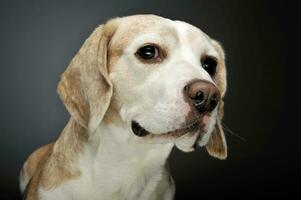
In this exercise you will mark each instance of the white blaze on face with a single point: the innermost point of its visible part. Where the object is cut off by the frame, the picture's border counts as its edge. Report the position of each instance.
(192, 53)
(152, 94)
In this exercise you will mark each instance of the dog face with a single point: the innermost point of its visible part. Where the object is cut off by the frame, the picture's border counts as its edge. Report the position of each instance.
(163, 79)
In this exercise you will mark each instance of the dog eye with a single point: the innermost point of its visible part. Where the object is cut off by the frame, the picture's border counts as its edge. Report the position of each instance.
(148, 52)
(209, 64)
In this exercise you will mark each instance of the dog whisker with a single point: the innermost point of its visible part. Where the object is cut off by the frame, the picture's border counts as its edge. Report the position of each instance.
(227, 129)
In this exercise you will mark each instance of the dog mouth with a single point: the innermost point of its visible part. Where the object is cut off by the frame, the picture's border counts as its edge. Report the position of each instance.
(139, 131)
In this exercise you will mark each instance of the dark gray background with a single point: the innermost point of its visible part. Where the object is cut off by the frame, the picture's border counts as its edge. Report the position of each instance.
(39, 38)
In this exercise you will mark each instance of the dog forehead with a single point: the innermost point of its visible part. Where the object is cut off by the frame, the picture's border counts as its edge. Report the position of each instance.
(191, 34)
(134, 26)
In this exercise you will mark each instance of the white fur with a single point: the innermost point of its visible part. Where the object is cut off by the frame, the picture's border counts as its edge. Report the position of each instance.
(124, 168)
(116, 164)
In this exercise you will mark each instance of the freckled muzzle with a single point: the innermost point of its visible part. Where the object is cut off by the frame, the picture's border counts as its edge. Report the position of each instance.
(203, 96)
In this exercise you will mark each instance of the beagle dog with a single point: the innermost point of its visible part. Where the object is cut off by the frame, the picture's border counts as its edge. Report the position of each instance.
(138, 86)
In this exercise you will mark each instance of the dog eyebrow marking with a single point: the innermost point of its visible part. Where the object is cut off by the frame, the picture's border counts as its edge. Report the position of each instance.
(127, 33)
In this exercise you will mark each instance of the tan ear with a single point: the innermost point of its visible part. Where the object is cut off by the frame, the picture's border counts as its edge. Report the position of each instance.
(217, 146)
(85, 87)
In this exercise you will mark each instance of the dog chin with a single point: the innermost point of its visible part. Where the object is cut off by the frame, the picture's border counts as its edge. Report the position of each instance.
(190, 141)
(187, 142)
(185, 139)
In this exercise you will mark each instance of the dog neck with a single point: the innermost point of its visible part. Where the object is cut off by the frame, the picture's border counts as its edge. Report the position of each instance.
(120, 162)
(112, 152)
(110, 143)
(118, 144)
(111, 159)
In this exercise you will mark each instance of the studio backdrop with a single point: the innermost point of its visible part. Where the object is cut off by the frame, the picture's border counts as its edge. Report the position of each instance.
(39, 38)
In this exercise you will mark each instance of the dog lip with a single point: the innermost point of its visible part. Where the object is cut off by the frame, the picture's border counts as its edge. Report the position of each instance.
(194, 126)
(139, 131)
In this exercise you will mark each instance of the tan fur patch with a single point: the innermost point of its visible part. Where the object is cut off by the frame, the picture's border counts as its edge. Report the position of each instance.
(216, 146)
(34, 159)
(56, 165)
(60, 167)
(130, 27)
(220, 77)
(85, 90)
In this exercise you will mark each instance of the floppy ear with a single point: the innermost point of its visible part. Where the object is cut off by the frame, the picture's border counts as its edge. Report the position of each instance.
(217, 146)
(85, 87)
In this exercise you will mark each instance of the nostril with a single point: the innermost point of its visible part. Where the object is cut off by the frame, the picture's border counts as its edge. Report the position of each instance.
(199, 96)
(202, 95)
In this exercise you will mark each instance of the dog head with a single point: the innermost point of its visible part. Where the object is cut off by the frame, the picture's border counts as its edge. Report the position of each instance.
(163, 80)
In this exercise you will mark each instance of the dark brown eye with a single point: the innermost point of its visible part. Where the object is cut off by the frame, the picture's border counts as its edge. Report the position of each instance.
(148, 52)
(209, 64)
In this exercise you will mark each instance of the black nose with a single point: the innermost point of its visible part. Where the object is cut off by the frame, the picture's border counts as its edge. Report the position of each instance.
(203, 95)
